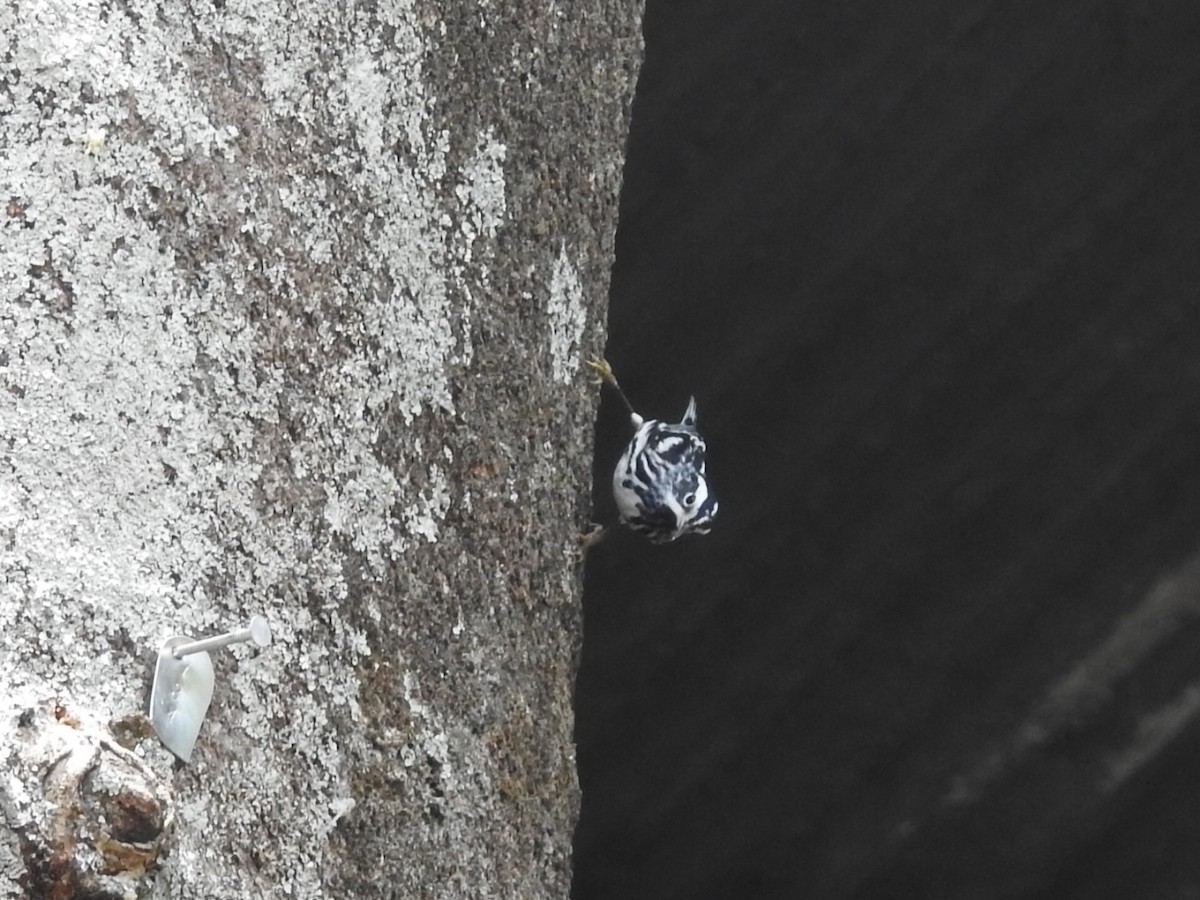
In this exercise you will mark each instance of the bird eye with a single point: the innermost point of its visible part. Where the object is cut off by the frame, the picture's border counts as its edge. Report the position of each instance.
(689, 500)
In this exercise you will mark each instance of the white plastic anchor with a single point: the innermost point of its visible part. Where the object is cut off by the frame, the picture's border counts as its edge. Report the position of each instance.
(183, 684)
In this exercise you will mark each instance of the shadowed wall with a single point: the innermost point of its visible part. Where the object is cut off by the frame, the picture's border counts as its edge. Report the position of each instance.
(931, 273)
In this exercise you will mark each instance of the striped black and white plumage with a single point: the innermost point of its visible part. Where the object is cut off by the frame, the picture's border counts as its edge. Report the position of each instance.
(660, 485)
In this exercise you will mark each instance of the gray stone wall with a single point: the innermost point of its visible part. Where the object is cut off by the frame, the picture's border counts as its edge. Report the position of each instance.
(292, 306)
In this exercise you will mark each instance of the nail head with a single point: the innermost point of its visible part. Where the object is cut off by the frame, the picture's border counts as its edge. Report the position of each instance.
(260, 631)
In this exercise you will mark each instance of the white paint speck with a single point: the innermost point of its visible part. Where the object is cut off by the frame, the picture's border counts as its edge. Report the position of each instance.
(93, 141)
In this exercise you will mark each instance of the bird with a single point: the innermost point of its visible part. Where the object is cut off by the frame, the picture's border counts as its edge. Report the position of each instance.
(659, 483)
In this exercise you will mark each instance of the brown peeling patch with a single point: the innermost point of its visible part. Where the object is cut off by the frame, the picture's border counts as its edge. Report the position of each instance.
(129, 731)
(102, 812)
(64, 716)
(121, 858)
(483, 469)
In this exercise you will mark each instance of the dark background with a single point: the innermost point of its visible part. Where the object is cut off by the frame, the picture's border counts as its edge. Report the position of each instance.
(931, 270)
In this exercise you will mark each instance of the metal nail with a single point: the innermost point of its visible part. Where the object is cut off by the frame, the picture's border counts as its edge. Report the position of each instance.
(258, 631)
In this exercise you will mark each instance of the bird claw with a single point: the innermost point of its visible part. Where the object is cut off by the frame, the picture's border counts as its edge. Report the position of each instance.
(588, 540)
(602, 368)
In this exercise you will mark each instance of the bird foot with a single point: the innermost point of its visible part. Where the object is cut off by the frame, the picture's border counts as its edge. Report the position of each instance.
(588, 540)
(603, 370)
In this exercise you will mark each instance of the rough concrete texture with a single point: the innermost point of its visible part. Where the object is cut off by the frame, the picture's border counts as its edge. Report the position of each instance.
(291, 311)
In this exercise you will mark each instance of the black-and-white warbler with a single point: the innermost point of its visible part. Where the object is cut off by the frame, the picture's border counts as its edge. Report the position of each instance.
(659, 483)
